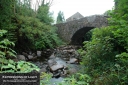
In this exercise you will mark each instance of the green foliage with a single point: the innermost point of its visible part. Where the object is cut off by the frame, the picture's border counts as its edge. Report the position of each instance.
(122, 58)
(122, 67)
(98, 54)
(43, 14)
(38, 34)
(105, 57)
(17, 67)
(121, 35)
(88, 36)
(60, 17)
(78, 79)
(100, 47)
(45, 78)
(23, 8)
(5, 46)
(23, 67)
(108, 13)
(102, 60)
(118, 22)
(8, 65)
(121, 11)
(7, 14)
(27, 28)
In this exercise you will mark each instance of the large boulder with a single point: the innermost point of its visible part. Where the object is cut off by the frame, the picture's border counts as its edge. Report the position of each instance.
(21, 57)
(51, 62)
(56, 67)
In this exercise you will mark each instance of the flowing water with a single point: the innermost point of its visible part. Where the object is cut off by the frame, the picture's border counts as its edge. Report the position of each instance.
(62, 62)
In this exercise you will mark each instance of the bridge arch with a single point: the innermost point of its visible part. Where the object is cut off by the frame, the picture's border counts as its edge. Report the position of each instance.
(78, 36)
(73, 31)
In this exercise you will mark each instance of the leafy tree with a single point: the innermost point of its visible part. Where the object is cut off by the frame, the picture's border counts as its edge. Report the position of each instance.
(23, 8)
(119, 22)
(9, 22)
(108, 13)
(60, 17)
(29, 29)
(44, 15)
(7, 15)
(38, 35)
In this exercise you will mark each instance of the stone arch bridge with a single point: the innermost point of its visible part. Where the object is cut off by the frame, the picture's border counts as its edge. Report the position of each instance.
(73, 31)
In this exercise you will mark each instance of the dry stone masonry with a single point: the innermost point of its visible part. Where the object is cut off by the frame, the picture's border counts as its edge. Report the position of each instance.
(80, 27)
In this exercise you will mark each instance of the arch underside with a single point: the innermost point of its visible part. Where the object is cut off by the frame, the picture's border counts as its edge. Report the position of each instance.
(78, 37)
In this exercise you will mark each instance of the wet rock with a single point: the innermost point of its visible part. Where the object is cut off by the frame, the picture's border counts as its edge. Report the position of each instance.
(43, 70)
(72, 60)
(26, 55)
(65, 73)
(51, 62)
(65, 68)
(30, 52)
(52, 56)
(33, 54)
(56, 75)
(67, 51)
(30, 57)
(66, 59)
(71, 51)
(61, 62)
(39, 53)
(21, 57)
(47, 52)
(56, 61)
(56, 67)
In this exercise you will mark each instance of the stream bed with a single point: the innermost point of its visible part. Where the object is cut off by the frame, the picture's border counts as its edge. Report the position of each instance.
(62, 62)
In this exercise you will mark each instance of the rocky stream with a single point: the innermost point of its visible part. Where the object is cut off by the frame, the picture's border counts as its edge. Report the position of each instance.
(60, 62)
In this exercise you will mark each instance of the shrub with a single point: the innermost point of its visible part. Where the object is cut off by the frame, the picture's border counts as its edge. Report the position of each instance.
(45, 78)
(101, 59)
(78, 79)
(8, 65)
(5, 46)
(88, 35)
(100, 49)
(105, 57)
(37, 35)
(17, 67)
